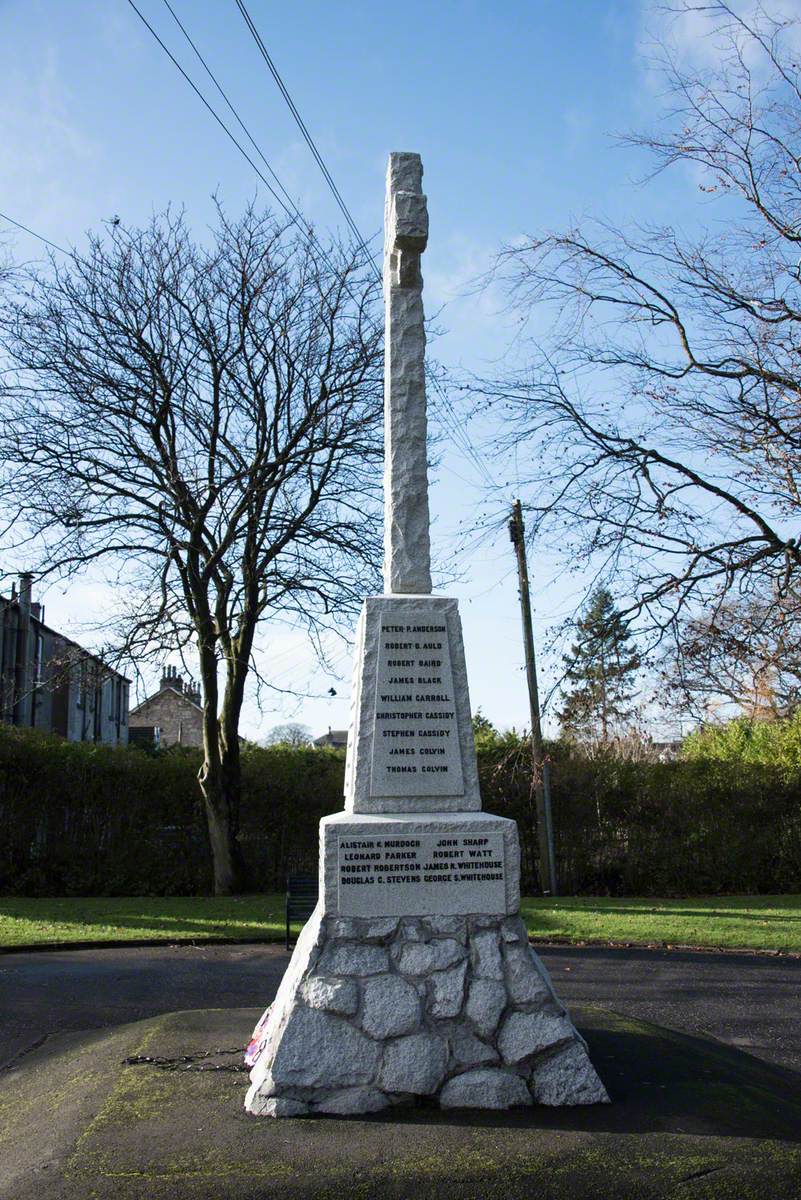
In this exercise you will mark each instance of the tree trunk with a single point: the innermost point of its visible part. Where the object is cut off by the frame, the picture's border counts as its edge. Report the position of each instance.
(220, 781)
(222, 818)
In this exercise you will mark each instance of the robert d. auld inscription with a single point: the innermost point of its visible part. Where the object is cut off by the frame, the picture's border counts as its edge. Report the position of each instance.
(416, 735)
(420, 874)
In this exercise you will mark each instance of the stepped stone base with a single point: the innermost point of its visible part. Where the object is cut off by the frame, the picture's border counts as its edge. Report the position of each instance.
(374, 1012)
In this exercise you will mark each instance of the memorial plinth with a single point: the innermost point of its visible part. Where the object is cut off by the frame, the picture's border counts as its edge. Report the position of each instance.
(414, 977)
(410, 741)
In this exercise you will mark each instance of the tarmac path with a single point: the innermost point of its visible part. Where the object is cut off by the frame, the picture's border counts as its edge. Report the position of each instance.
(752, 1002)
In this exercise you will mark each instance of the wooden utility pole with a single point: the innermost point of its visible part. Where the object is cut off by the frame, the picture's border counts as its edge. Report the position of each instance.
(540, 767)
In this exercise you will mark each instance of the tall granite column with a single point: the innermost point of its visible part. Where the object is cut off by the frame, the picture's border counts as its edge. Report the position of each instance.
(414, 977)
(407, 555)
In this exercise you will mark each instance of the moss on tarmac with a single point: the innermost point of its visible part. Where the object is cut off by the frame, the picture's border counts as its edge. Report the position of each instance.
(690, 1120)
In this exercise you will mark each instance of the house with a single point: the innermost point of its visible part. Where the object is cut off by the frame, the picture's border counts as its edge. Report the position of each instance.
(49, 682)
(172, 716)
(336, 738)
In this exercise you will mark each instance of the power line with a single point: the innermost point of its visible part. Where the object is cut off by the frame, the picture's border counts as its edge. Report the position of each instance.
(216, 116)
(304, 130)
(293, 212)
(458, 433)
(450, 420)
(235, 114)
(449, 416)
(33, 233)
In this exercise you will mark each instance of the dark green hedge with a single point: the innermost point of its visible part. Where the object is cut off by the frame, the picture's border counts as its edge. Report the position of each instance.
(86, 820)
(642, 828)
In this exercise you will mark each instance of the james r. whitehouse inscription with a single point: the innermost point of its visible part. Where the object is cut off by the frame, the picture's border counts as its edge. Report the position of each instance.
(386, 875)
(416, 739)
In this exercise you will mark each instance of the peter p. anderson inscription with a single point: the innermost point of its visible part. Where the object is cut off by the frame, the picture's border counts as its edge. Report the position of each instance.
(416, 737)
(411, 875)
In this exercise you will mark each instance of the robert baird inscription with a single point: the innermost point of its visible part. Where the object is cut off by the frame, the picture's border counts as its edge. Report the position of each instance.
(416, 738)
(422, 873)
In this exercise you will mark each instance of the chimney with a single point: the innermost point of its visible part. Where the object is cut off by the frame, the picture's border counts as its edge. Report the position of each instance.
(25, 589)
(171, 678)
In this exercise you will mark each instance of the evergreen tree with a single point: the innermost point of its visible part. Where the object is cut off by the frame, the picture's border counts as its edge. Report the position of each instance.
(484, 732)
(601, 669)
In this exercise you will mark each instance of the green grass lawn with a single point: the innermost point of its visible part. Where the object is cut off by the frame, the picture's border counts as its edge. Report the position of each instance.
(750, 922)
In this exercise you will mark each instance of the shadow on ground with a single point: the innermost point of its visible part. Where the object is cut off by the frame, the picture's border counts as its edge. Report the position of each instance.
(690, 1120)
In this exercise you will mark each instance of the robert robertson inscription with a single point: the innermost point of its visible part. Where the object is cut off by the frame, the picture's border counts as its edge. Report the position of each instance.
(431, 872)
(416, 736)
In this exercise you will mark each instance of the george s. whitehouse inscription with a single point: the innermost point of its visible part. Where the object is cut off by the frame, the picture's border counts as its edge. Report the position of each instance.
(423, 873)
(416, 735)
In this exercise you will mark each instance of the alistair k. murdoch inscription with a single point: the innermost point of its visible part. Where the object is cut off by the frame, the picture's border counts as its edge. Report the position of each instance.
(416, 737)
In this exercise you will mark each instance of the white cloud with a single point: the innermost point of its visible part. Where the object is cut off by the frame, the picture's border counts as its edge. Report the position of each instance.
(697, 36)
(42, 145)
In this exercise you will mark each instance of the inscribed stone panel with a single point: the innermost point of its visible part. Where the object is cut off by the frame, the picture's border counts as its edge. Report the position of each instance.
(416, 750)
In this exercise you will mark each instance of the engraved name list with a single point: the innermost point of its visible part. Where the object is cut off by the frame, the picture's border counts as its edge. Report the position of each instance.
(398, 874)
(415, 738)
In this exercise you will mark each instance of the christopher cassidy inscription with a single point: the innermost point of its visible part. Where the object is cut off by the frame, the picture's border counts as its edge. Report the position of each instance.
(415, 739)
(397, 875)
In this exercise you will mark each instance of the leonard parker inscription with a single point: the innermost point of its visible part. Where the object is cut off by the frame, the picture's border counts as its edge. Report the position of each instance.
(416, 747)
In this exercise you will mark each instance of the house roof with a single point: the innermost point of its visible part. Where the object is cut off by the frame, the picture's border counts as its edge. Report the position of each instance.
(160, 692)
(333, 735)
(68, 640)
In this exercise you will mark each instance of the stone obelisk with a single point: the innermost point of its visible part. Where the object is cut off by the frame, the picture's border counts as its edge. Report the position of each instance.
(407, 552)
(414, 977)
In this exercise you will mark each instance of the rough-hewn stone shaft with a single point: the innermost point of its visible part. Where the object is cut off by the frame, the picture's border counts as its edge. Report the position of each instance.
(407, 555)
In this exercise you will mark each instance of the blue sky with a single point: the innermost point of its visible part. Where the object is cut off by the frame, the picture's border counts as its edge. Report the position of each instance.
(513, 106)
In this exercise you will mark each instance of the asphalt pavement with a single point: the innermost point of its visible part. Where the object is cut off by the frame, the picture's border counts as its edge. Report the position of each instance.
(751, 1002)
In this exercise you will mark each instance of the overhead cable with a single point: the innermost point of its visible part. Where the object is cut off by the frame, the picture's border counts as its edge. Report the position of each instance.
(288, 206)
(216, 116)
(235, 114)
(304, 130)
(33, 233)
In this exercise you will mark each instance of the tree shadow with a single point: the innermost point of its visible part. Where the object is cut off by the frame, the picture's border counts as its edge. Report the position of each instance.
(659, 1081)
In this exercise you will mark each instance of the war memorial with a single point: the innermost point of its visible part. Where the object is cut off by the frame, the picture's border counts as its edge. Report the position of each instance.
(413, 1002)
(414, 977)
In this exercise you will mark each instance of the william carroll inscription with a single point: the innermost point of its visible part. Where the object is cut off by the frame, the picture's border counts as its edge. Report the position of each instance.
(415, 738)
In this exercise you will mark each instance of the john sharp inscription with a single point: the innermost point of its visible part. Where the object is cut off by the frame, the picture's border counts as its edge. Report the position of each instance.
(397, 875)
(415, 738)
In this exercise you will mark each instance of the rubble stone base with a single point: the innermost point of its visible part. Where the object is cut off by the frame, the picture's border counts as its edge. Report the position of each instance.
(382, 1011)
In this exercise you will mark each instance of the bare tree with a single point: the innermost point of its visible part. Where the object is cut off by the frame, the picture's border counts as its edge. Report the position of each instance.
(662, 421)
(204, 420)
(743, 658)
(290, 734)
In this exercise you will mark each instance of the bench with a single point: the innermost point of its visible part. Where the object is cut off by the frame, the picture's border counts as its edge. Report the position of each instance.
(301, 899)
